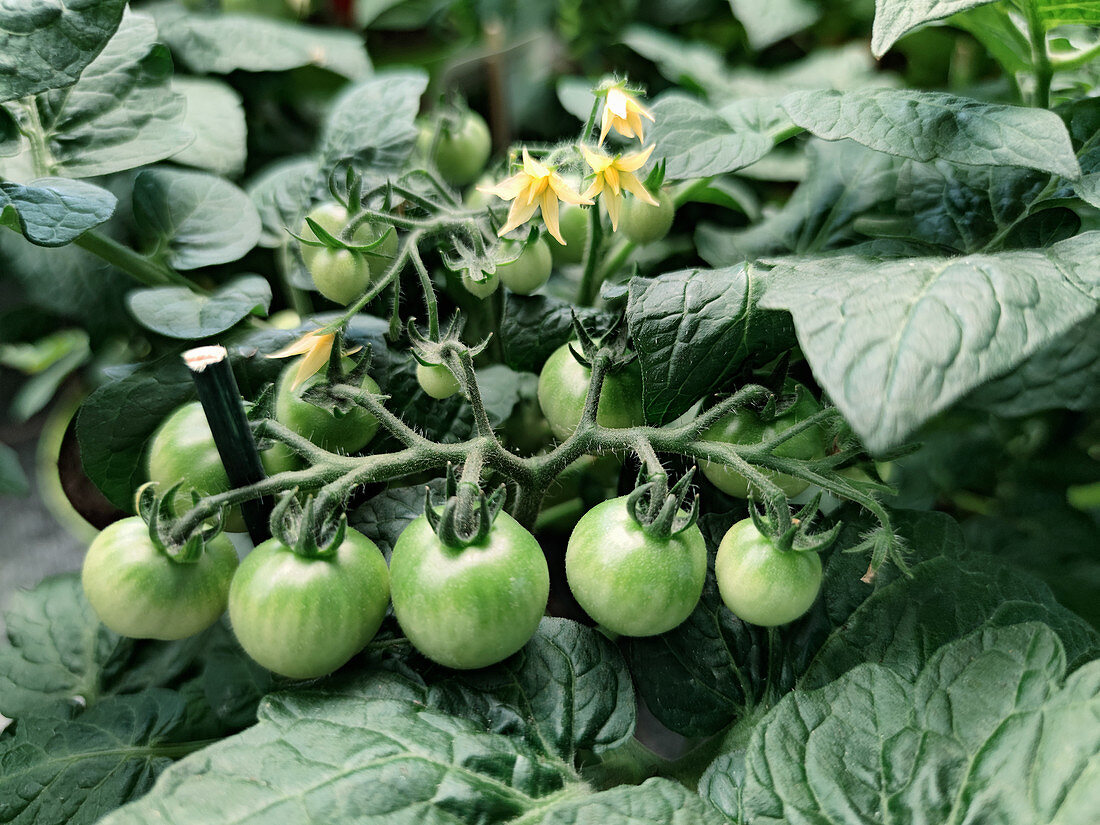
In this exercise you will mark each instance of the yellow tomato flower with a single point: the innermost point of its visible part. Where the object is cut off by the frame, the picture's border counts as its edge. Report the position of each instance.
(315, 348)
(534, 187)
(623, 113)
(613, 175)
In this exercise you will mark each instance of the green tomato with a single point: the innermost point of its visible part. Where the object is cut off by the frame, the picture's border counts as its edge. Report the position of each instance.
(762, 584)
(563, 385)
(331, 216)
(645, 224)
(343, 433)
(340, 274)
(462, 149)
(573, 223)
(469, 607)
(138, 591)
(437, 381)
(746, 427)
(305, 617)
(183, 449)
(632, 583)
(379, 258)
(481, 289)
(530, 270)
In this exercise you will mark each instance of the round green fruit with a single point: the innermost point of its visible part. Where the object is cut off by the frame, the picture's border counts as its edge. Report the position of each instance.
(762, 584)
(563, 386)
(437, 381)
(137, 590)
(473, 606)
(747, 427)
(344, 433)
(630, 582)
(530, 270)
(645, 224)
(305, 617)
(462, 149)
(183, 449)
(573, 224)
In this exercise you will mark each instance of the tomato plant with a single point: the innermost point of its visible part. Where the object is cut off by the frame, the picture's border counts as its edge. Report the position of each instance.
(468, 607)
(630, 579)
(137, 590)
(563, 385)
(761, 583)
(303, 616)
(690, 206)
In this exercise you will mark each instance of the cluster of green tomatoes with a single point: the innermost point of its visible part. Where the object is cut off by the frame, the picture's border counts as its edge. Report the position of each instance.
(636, 570)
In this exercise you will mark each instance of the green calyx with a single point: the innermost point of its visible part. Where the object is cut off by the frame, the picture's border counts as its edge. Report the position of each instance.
(796, 534)
(659, 511)
(467, 514)
(158, 514)
(615, 344)
(307, 528)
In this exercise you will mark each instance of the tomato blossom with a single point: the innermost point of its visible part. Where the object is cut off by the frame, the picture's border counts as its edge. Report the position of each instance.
(534, 187)
(623, 113)
(615, 174)
(316, 348)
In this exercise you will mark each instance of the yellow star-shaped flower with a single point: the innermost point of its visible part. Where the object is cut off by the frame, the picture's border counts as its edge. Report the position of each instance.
(615, 174)
(623, 113)
(534, 187)
(315, 348)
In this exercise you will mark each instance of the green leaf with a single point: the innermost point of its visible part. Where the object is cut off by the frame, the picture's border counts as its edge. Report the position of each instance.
(69, 768)
(895, 342)
(989, 729)
(383, 517)
(47, 45)
(194, 219)
(769, 23)
(54, 211)
(1063, 375)
(59, 652)
(845, 181)
(535, 325)
(693, 330)
(926, 126)
(71, 283)
(502, 388)
(964, 207)
(358, 761)
(224, 43)
(180, 313)
(121, 114)
(346, 759)
(896, 18)
(13, 481)
(575, 96)
(215, 116)
(373, 121)
(281, 194)
(71, 350)
(566, 691)
(713, 669)
(695, 141)
(698, 66)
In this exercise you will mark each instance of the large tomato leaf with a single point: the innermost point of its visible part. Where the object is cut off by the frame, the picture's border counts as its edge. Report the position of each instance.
(989, 728)
(894, 342)
(47, 45)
